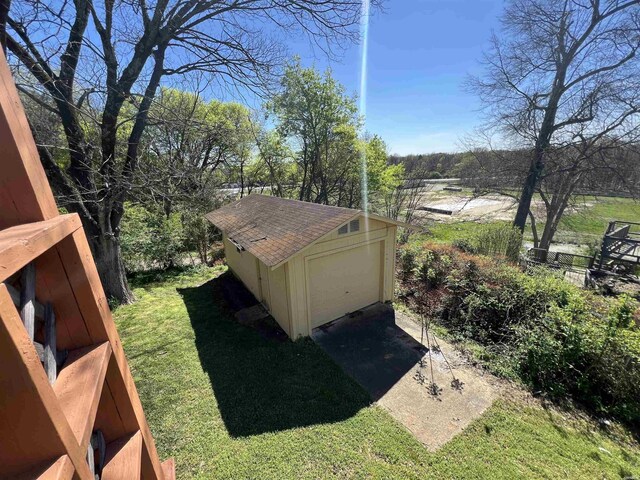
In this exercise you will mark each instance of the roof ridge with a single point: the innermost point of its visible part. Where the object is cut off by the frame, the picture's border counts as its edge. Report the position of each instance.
(293, 200)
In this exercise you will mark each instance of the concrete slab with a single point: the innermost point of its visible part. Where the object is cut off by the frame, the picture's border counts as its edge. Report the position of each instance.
(577, 278)
(381, 350)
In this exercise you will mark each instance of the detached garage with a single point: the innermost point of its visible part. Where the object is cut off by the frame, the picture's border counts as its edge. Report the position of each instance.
(308, 263)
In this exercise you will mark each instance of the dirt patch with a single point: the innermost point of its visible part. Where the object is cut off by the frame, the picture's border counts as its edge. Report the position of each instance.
(469, 208)
(465, 207)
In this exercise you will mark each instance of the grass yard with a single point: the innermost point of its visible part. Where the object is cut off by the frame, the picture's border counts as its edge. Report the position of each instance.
(227, 403)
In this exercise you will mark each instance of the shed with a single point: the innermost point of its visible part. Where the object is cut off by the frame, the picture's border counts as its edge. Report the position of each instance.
(307, 263)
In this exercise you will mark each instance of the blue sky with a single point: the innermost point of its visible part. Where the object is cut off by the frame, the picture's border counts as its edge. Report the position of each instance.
(420, 52)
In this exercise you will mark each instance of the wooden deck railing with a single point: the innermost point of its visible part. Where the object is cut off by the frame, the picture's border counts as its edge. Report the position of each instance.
(69, 407)
(620, 245)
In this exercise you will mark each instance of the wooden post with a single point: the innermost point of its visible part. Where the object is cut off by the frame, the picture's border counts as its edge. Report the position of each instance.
(28, 298)
(25, 194)
(50, 360)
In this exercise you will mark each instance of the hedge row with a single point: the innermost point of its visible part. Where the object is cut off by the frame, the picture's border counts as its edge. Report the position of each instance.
(556, 337)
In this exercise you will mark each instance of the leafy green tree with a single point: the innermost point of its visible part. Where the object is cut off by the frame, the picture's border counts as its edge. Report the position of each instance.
(86, 60)
(321, 123)
(382, 178)
(191, 148)
(150, 239)
(278, 157)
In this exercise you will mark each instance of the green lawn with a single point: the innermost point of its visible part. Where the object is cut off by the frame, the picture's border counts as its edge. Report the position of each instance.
(448, 232)
(227, 403)
(584, 227)
(593, 220)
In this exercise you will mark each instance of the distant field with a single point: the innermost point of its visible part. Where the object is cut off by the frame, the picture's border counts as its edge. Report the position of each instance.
(583, 227)
(593, 220)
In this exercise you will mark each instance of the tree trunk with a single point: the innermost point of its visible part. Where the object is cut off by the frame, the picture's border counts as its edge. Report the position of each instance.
(108, 257)
(528, 190)
(547, 234)
(534, 230)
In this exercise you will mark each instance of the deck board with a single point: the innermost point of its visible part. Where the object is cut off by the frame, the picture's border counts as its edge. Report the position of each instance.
(79, 386)
(124, 458)
(21, 244)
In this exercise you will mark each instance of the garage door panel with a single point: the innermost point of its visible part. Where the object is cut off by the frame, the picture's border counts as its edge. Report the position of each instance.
(344, 282)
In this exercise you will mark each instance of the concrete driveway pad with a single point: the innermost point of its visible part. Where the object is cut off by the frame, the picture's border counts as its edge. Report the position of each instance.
(381, 350)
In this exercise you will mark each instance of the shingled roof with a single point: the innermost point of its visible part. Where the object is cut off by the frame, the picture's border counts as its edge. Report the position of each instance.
(274, 229)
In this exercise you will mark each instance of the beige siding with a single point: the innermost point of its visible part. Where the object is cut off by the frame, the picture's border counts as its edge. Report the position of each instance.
(265, 285)
(372, 231)
(389, 264)
(244, 266)
(268, 286)
(366, 225)
(311, 288)
(278, 306)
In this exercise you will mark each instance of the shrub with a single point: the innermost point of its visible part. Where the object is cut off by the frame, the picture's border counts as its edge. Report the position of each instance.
(497, 239)
(199, 234)
(595, 359)
(407, 262)
(217, 252)
(150, 239)
(433, 268)
(554, 336)
(464, 244)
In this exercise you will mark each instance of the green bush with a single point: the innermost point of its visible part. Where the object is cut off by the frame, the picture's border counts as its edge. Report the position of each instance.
(433, 268)
(150, 239)
(496, 239)
(556, 337)
(408, 261)
(199, 235)
(464, 244)
(595, 359)
(217, 252)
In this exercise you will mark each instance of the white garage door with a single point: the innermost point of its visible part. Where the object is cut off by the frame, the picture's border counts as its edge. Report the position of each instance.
(344, 282)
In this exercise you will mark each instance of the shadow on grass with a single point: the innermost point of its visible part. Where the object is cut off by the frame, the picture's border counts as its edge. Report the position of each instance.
(261, 385)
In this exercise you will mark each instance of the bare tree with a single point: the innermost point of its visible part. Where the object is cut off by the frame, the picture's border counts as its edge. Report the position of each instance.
(90, 59)
(561, 71)
(591, 165)
(401, 202)
(595, 165)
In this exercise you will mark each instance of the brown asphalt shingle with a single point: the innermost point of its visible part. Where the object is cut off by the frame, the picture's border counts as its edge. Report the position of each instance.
(273, 229)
